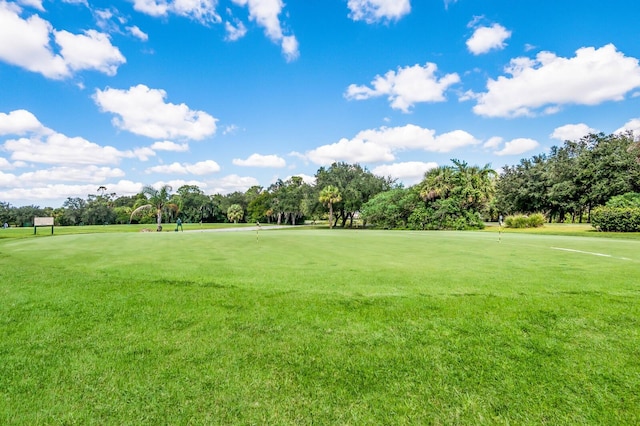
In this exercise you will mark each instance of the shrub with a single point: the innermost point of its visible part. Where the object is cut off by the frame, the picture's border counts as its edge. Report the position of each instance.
(630, 199)
(536, 220)
(616, 219)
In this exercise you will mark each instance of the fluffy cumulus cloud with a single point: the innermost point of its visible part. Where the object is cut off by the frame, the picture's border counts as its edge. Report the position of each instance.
(91, 174)
(42, 145)
(632, 125)
(258, 160)
(266, 14)
(20, 122)
(60, 149)
(200, 168)
(351, 151)
(410, 172)
(406, 87)
(54, 192)
(544, 84)
(203, 11)
(485, 39)
(91, 50)
(231, 183)
(379, 145)
(143, 111)
(170, 146)
(411, 136)
(27, 43)
(518, 146)
(372, 11)
(572, 132)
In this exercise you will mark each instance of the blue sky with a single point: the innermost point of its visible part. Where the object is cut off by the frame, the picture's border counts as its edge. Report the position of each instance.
(230, 94)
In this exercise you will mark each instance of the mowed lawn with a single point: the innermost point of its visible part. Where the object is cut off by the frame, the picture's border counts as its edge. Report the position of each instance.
(313, 326)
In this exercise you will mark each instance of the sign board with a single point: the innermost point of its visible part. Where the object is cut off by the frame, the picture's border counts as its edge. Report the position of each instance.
(42, 221)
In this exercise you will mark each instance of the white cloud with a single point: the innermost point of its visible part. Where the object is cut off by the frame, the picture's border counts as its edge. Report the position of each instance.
(571, 132)
(493, 142)
(138, 33)
(410, 172)
(26, 43)
(485, 39)
(518, 146)
(57, 148)
(5, 164)
(591, 77)
(36, 4)
(142, 111)
(57, 193)
(20, 122)
(257, 160)
(203, 11)
(93, 50)
(232, 183)
(200, 168)
(372, 11)
(235, 31)
(265, 13)
(633, 125)
(170, 146)
(92, 173)
(406, 87)
(378, 145)
(351, 151)
(416, 137)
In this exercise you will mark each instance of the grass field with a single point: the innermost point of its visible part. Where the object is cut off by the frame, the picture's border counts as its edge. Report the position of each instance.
(314, 326)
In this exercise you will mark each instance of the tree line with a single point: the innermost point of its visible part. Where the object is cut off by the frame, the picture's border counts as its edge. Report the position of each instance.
(564, 184)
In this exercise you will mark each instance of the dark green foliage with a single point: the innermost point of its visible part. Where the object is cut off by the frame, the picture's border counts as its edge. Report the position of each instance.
(630, 199)
(393, 209)
(616, 219)
(356, 185)
(534, 220)
(572, 179)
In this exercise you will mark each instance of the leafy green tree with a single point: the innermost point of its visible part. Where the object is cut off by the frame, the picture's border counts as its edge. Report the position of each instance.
(97, 211)
(157, 199)
(355, 184)
(392, 209)
(258, 209)
(24, 215)
(235, 213)
(7, 213)
(73, 211)
(329, 196)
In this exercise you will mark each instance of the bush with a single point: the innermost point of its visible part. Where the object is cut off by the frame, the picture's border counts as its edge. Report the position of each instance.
(630, 199)
(535, 220)
(616, 219)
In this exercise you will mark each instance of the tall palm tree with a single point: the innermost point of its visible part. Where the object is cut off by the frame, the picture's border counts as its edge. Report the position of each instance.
(329, 196)
(159, 200)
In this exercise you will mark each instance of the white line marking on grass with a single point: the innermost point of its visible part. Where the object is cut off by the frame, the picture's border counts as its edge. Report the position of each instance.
(589, 252)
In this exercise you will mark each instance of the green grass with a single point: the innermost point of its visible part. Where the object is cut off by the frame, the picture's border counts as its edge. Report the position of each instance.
(45, 231)
(318, 326)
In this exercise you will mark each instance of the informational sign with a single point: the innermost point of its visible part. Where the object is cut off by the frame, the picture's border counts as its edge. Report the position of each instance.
(42, 221)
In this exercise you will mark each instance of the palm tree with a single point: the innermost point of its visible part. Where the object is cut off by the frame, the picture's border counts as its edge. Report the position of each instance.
(235, 212)
(329, 196)
(437, 183)
(159, 200)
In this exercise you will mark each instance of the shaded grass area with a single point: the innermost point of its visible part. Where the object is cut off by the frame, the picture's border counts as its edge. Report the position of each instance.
(319, 327)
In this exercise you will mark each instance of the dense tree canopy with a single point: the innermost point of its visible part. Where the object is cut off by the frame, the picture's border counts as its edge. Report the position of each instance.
(566, 183)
